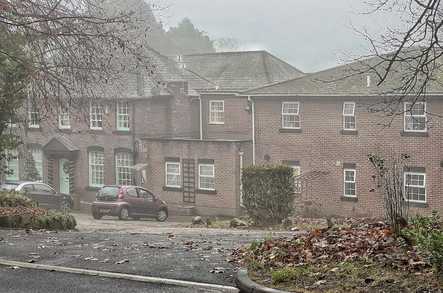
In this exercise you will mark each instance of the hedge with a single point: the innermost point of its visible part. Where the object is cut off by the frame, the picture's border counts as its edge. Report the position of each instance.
(268, 193)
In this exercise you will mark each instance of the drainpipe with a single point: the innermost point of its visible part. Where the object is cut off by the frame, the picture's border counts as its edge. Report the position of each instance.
(241, 154)
(201, 117)
(252, 102)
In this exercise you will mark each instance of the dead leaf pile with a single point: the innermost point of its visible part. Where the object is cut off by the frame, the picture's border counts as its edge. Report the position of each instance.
(359, 241)
(21, 211)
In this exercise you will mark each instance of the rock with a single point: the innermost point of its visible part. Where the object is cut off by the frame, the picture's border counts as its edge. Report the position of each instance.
(237, 223)
(197, 220)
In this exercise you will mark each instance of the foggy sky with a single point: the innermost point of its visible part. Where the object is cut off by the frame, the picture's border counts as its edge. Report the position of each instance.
(310, 34)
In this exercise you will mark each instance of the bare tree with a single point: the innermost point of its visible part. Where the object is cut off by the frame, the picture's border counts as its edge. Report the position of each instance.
(411, 54)
(389, 180)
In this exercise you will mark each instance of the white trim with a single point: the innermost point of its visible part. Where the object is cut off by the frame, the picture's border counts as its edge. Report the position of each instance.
(119, 115)
(60, 126)
(295, 167)
(210, 112)
(99, 107)
(290, 114)
(408, 113)
(344, 182)
(91, 184)
(175, 174)
(206, 176)
(418, 186)
(349, 115)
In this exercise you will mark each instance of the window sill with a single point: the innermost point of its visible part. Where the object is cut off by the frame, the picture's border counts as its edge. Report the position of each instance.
(202, 191)
(216, 123)
(349, 132)
(174, 189)
(96, 131)
(418, 205)
(122, 132)
(92, 188)
(414, 133)
(34, 128)
(65, 130)
(349, 198)
(290, 130)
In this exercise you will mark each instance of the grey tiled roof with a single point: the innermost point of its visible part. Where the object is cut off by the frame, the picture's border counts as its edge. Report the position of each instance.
(345, 80)
(235, 71)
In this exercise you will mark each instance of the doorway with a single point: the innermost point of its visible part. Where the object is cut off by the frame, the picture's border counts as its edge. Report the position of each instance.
(63, 172)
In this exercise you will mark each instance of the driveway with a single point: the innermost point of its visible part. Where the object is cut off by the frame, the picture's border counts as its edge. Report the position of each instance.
(166, 250)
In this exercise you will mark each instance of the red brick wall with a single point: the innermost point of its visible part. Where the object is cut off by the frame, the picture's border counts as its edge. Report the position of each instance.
(237, 123)
(322, 147)
(227, 173)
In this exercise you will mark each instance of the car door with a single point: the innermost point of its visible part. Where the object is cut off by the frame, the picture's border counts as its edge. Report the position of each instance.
(46, 196)
(134, 202)
(148, 205)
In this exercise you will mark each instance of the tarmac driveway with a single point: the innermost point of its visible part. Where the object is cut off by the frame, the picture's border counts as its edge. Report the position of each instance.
(149, 248)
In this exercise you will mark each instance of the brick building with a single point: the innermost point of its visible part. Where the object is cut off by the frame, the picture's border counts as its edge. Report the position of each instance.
(201, 173)
(322, 126)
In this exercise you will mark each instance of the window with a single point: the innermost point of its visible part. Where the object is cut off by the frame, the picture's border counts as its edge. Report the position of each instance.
(216, 112)
(37, 156)
(96, 168)
(290, 115)
(33, 116)
(64, 119)
(173, 174)
(122, 116)
(415, 187)
(415, 117)
(42, 188)
(349, 116)
(96, 116)
(123, 168)
(297, 181)
(350, 186)
(206, 177)
(142, 193)
(12, 165)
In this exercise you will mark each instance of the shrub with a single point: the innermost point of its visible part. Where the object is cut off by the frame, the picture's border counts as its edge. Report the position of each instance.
(14, 199)
(427, 234)
(268, 193)
(54, 221)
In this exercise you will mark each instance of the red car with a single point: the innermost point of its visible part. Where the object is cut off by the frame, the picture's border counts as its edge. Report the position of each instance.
(128, 202)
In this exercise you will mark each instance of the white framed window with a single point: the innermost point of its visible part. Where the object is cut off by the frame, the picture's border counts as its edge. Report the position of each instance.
(96, 168)
(415, 119)
(123, 168)
(290, 115)
(297, 182)
(64, 120)
(349, 121)
(415, 187)
(173, 176)
(350, 188)
(96, 116)
(33, 116)
(12, 165)
(217, 112)
(123, 116)
(37, 156)
(206, 176)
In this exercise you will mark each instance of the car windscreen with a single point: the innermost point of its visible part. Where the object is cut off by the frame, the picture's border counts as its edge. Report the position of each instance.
(8, 186)
(108, 192)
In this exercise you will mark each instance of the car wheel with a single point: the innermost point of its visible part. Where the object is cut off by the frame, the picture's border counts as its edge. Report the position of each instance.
(96, 215)
(124, 214)
(162, 215)
(136, 218)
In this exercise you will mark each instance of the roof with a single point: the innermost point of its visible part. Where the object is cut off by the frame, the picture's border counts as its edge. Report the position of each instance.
(353, 79)
(60, 143)
(237, 71)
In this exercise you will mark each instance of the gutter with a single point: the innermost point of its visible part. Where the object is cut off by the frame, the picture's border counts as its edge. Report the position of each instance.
(200, 117)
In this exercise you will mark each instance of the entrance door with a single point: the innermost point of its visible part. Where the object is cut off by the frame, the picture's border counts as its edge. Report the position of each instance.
(63, 173)
(188, 166)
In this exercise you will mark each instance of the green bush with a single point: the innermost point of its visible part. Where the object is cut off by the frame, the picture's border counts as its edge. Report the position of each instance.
(54, 221)
(268, 193)
(427, 234)
(15, 199)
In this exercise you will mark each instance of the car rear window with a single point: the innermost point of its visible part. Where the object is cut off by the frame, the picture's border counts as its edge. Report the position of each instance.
(108, 192)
